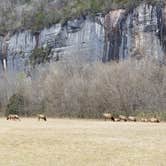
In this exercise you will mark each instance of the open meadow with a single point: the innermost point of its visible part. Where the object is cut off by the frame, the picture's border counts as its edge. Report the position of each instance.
(64, 142)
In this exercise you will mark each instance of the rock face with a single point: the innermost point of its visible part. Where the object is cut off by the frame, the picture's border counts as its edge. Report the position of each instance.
(162, 26)
(83, 36)
(120, 34)
(135, 34)
(113, 34)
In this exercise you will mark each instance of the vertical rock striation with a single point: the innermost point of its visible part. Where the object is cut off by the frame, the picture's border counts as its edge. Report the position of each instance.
(136, 33)
(83, 36)
(113, 34)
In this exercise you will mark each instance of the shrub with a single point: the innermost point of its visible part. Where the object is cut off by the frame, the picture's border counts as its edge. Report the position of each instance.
(40, 55)
(82, 90)
(15, 105)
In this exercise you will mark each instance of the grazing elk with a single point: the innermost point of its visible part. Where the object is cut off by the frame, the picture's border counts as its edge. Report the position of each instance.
(108, 116)
(144, 120)
(117, 120)
(13, 117)
(41, 116)
(132, 119)
(154, 120)
(123, 118)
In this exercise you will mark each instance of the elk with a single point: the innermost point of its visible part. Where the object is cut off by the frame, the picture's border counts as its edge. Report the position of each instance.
(13, 117)
(117, 120)
(154, 120)
(123, 118)
(41, 116)
(132, 119)
(108, 116)
(144, 120)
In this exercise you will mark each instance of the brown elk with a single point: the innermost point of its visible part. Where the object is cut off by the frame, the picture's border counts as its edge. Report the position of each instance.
(108, 116)
(123, 118)
(13, 117)
(117, 120)
(41, 116)
(132, 119)
(154, 120)
(144, 120)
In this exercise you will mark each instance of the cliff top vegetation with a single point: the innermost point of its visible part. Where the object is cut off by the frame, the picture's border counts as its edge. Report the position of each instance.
(36, 14)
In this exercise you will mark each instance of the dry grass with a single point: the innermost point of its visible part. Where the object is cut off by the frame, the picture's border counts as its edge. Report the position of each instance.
(60, 142)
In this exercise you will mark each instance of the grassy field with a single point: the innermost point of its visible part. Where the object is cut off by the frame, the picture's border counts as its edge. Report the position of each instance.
(63, 142)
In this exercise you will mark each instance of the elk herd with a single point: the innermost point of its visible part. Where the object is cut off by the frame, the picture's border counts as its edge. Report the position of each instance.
(106, 116)
(16, 117)
(109, 116)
